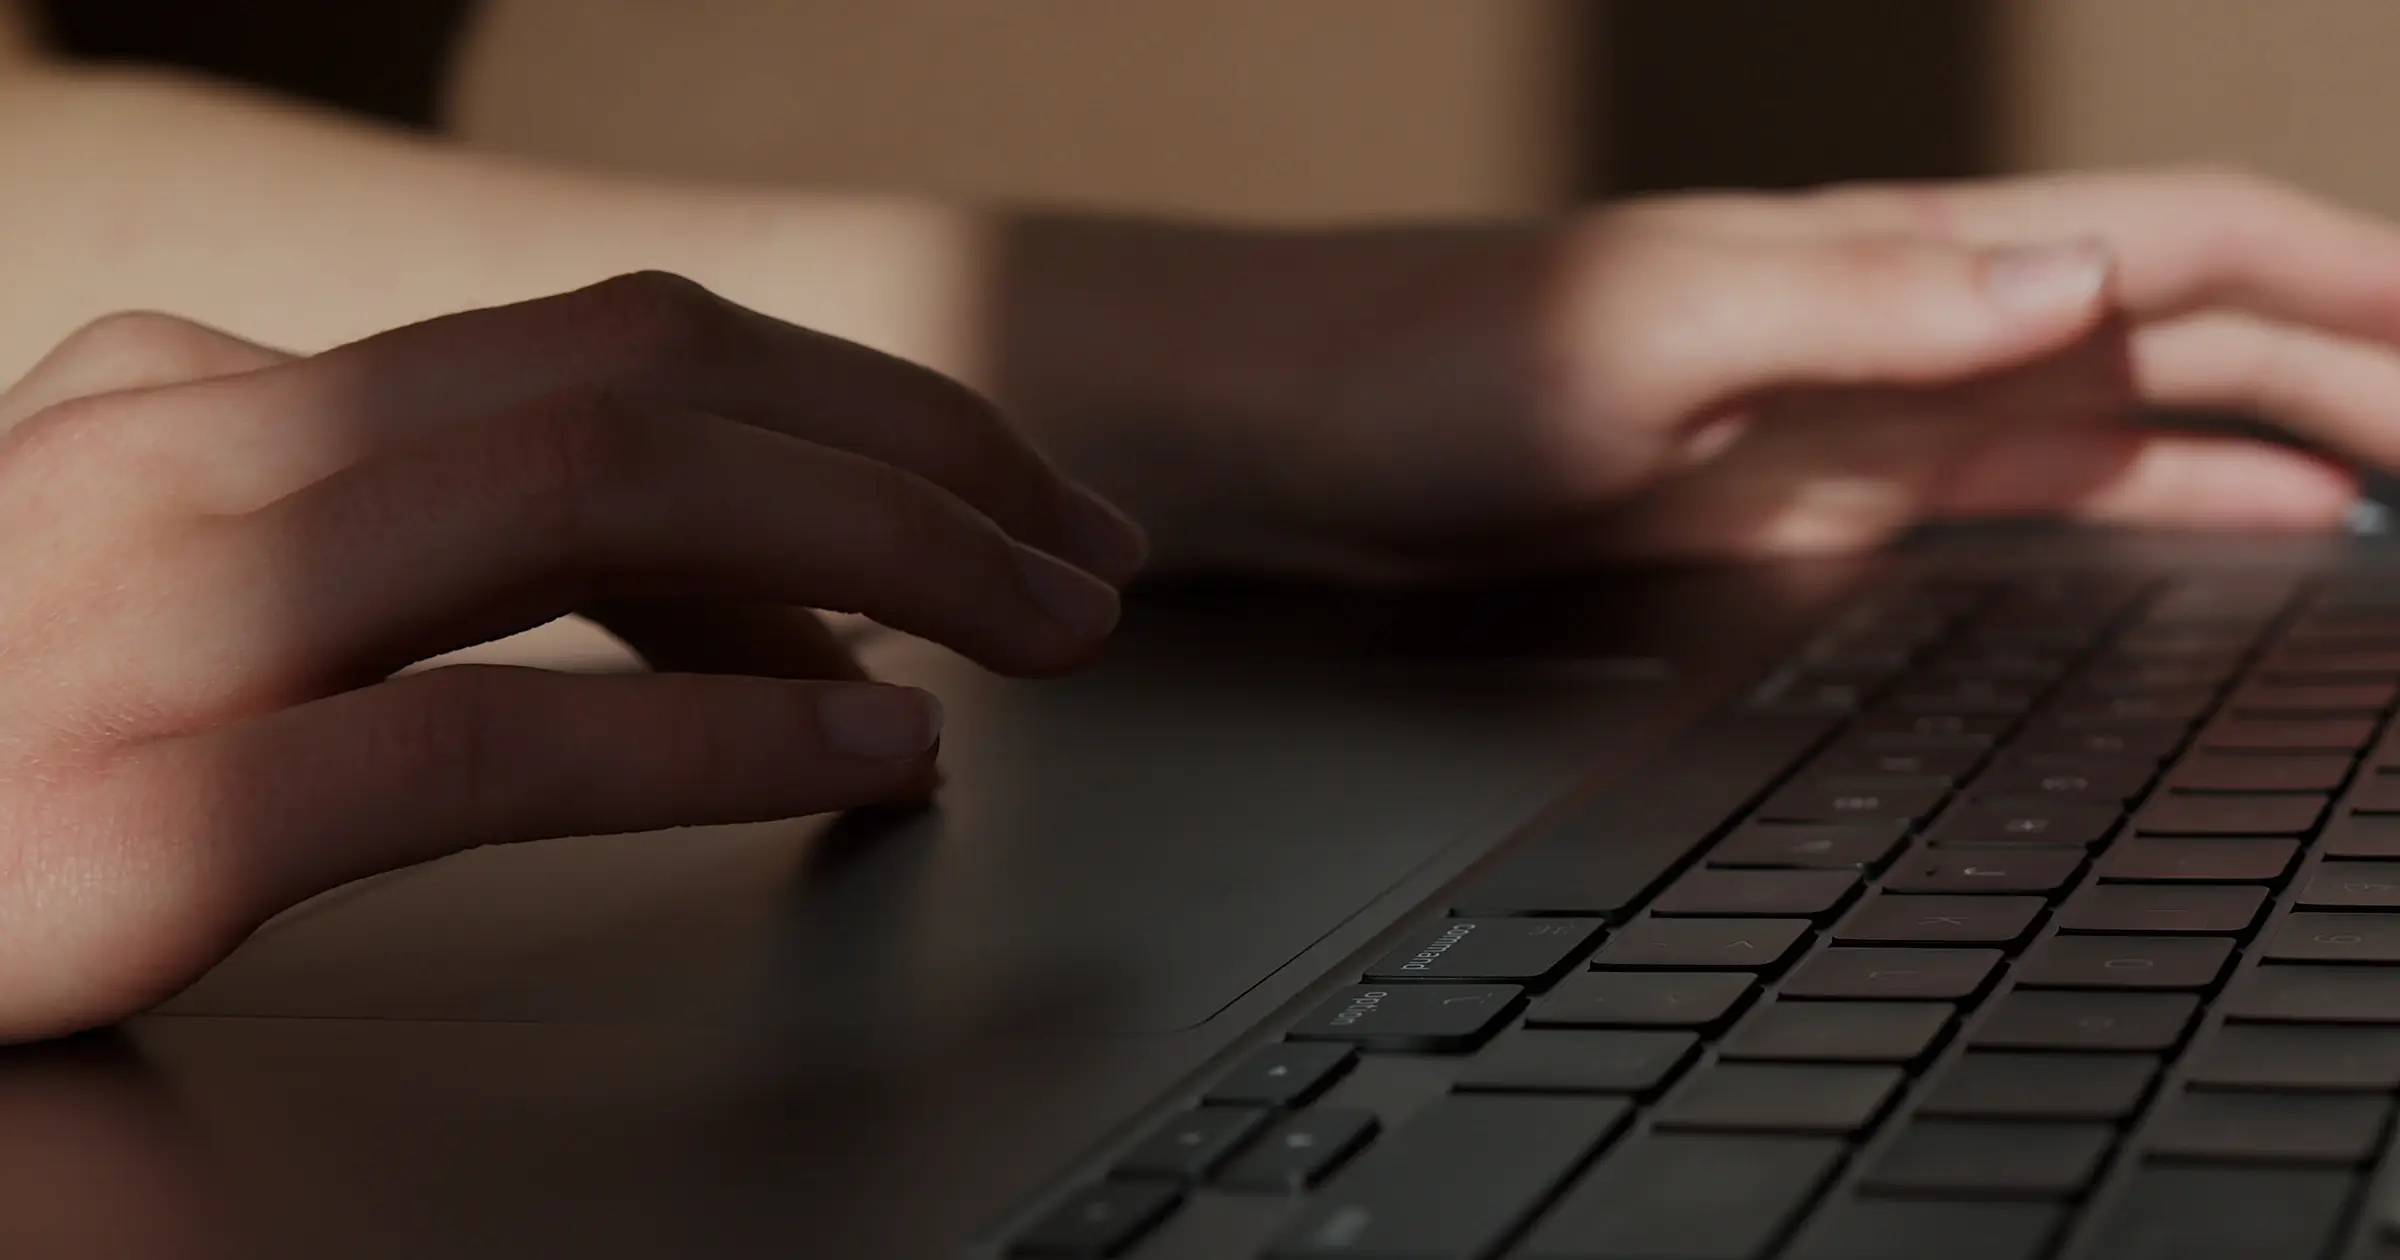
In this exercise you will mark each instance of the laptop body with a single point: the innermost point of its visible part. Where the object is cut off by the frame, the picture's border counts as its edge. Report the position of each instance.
(1047, 1016)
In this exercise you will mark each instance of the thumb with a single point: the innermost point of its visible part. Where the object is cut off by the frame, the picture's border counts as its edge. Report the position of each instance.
(1729, 321)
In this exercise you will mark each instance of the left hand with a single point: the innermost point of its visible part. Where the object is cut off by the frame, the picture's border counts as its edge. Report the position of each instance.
(1735, 375)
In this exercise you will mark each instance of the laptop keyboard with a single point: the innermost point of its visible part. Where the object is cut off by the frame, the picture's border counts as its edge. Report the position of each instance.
(2009, 920)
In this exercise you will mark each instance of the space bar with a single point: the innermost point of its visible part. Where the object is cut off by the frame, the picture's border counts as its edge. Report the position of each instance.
(1608, 854)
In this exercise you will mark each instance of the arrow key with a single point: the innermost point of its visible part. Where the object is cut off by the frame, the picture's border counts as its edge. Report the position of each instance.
(1285, 1074)
(1299, 1152)
(1741, 944)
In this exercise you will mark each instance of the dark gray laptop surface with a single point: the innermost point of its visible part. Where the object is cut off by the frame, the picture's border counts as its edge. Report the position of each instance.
(2007, 897)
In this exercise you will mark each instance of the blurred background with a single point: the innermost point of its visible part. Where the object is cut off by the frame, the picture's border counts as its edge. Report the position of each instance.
(1335, 109)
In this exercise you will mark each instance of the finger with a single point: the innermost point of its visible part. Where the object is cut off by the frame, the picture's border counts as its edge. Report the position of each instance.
(432, 763)
(1684, 331)
(2167, 481)
(667, 342)
(489, 529)
(729, 637)
(2184, 240)
(1846, 478)
(2342, 392)
(128, 351)
(2192, 240)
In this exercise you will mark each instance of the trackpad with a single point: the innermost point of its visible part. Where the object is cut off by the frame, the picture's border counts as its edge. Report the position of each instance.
(1124, 851)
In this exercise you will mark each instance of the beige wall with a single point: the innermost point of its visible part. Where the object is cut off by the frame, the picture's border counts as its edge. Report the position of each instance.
(2307, 89)
(1289, 108)
(1334, 108)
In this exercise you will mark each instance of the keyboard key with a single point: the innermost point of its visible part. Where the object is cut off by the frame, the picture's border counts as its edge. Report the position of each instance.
(2350, 938)
(1301, 1151)
(2152, 859)
(1985, 728)
(2367, 885)
(1781, 1098)
(1529, 950)
(2377, 793)
(1818, 845)
(2027, 822)
(2175, 814)
(2111, 785)
(2248, 1126)
(2361, 836)
(2293, 735)
(2222, 772)
(1285, 1074)
(1996, 1084)
(2315, 995)
(1964, 695)
(2130, 679)
(1903, 919)
(1892, 974)
(1100, 1220)
(1985, 870)
(2151, 740)
(1411, 1016)
(1604, 858)
(1665, 999)
(1191, 1144)
(2030, 1019)
(1808, 803)
(1953, 764)
(2167, 1212)
(1840, 1032)
(2318, 668)
(2228, 909)
(1684, 1196)
(2126, 962)
(2297, 1057)
(1795, 894)
(1453, 1181)
(1579, 1061)
(1751, 944)
(2162, 706)
(2363, 699)
(1982, 1158)
(1907, 1229)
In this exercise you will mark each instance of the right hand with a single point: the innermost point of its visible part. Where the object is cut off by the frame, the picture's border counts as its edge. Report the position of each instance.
(218, 557)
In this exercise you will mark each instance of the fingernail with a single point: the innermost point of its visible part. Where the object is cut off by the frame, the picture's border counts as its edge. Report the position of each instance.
(880, 723)
(2046, 279)
(1084, 605)
(1714, 438)
(1106, 540)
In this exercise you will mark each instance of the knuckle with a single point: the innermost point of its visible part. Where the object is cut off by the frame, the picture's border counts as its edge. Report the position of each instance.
(139, 337)
(63, 434)
(911, 520)
(562, 461)
(451, 731)
(963, 440)
(656, 320)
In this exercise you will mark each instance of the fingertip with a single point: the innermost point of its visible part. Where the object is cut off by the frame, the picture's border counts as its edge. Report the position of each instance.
(1107, 542)
(878, 721)
(1076, 603)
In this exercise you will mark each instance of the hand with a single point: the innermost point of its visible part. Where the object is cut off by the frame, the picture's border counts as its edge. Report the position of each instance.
(1758, 375)
(218, 557)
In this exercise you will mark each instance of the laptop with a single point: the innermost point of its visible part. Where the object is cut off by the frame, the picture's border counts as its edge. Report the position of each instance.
(2010, 895)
